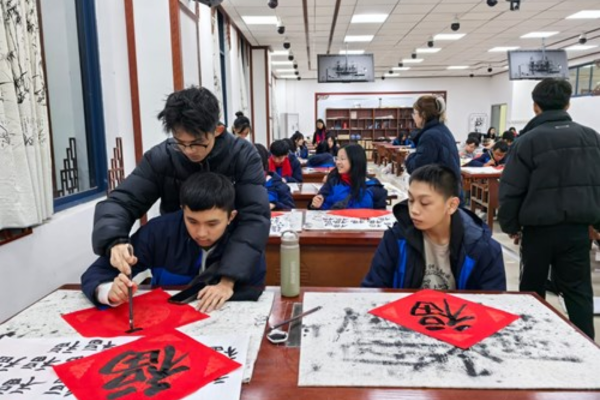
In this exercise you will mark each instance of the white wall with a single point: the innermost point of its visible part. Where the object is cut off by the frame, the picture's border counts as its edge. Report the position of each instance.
(234, 99)
(155, 69)
(189, 50)
(206, 52)
(522, 104)
(465, 96)
(584, 110)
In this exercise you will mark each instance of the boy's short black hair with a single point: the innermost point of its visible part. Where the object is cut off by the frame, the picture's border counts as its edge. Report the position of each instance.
(194, 110)
(508, 136)
(207, 190)
(502, 146)
(264, 155)
(472, 140)
(290, 143)
(279, 148)
(552, 94)
(441, 178)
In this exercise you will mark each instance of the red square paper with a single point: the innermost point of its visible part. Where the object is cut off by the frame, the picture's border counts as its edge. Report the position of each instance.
(448, 318)
(151, 311)
(275, 214)
(360, 213)
(164, 367)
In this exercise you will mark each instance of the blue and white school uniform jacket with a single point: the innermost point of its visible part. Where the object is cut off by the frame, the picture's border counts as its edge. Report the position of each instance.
(335, 192)
(279, 193)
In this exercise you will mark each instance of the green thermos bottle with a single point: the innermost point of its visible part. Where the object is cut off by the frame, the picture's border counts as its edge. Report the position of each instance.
(290, 264)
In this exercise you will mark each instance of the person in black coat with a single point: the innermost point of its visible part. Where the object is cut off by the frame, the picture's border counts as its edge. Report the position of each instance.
(328, 145)
(435, 244)
(550, 192)
(434, 143)
(191, 116)
(280, 195)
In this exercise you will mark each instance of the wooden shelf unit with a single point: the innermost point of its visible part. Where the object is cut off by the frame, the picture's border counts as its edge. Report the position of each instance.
(370, 123)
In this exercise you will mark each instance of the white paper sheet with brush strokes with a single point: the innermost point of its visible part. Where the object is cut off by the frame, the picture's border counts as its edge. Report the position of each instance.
(322, 221)
(344, 345)
(42, 320)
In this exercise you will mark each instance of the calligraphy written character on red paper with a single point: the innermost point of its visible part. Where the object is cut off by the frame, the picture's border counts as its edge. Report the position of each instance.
(163, 367)
(153, 313)
(448, 318)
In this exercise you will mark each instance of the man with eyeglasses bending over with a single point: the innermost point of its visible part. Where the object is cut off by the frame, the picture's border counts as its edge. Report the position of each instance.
(198, 143)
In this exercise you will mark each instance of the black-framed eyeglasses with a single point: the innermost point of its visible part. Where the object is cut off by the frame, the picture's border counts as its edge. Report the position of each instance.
(192, 146)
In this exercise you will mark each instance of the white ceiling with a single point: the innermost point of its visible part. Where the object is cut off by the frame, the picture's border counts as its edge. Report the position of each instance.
(411, 23)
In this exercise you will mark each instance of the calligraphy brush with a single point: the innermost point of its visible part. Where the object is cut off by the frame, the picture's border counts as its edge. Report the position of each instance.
(130, 294)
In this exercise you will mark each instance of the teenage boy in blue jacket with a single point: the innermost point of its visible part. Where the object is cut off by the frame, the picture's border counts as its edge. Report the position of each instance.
(280, 195)
(435, 244)
(285, 164)
(179, 246)
(491, 158)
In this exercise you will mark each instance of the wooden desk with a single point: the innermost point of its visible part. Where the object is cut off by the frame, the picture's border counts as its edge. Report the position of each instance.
(276, 374)
(307, 191)
(337, 259)
(316, 174)
(484, 192)
(398, 157)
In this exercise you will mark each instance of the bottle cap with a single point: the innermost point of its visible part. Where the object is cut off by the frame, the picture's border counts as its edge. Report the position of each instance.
(289, 237)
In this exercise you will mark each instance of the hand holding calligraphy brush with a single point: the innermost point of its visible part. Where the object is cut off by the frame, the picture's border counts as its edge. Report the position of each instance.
(130, 294)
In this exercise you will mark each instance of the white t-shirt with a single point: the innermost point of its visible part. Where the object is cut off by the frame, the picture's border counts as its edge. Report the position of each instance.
(438, 273)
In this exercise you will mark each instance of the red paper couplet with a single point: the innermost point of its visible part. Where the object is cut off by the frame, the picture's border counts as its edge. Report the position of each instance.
(164, 367)
(448, 318)
(276, 214)
(152, 313)
(360, 213)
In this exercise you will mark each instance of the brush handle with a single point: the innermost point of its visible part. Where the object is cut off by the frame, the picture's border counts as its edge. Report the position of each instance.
(304, 314)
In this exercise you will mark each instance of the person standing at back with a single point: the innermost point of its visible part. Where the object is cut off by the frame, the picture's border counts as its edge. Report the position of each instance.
(550, 192)
(320, 133)
(434, 143)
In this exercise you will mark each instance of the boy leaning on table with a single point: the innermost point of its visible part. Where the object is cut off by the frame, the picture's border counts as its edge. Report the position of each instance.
(435, 244)
(180, 246)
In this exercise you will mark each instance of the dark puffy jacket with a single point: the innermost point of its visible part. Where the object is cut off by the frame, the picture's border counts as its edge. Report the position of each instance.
(165, 247)
(552, 175)
(336, 195)
(279, 193)
(159, 175)
(475, 258)
(321, 160)
(434, 145)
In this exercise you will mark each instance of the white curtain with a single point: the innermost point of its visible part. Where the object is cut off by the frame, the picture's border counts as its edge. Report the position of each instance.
(217, 61)
(243, 80)
(25, 163)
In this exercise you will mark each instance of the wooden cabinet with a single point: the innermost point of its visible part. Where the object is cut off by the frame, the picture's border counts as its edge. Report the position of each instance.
(364, 125)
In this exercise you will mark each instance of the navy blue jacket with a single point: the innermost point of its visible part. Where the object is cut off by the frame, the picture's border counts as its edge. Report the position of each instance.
(279, 193)
(336, 192)
(475, 258)
(434, 145)
(164, 246)
(302, 152)
(406, 142)
(483, 159)
(296, 170)
(321, 160)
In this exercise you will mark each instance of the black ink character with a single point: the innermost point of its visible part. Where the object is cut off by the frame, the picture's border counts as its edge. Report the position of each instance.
(141, 367)
(14, 386)
(433, 318)
(7, 363)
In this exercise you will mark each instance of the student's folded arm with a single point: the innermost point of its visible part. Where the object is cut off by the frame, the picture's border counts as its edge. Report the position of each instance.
(114, 217)
(513, 190)
(296, 171)
(249, 238)
(425, 153)
(383, 265)
(285, 198)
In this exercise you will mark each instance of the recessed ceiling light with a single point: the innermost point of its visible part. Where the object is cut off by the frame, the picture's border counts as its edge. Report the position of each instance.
(280, 53)
(586, 14)
(539, 35)
(292, 70)
(282, 63)
(449, 36)
(368, 18)
(352, 51)
(412, 60)
(458, 67)
(428, 49)
(288, 76)
(587, 66)
(260, 20)
(502, 49)
(401, 68)
(506, 67)
(358, 38)
(580, 47)
(391, 75)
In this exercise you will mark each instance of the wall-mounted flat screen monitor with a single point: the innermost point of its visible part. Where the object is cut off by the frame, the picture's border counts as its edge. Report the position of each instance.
(537, 64)
(346, 68)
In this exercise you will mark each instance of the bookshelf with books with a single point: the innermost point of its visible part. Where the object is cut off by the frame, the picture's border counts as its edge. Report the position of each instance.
(364, 125)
